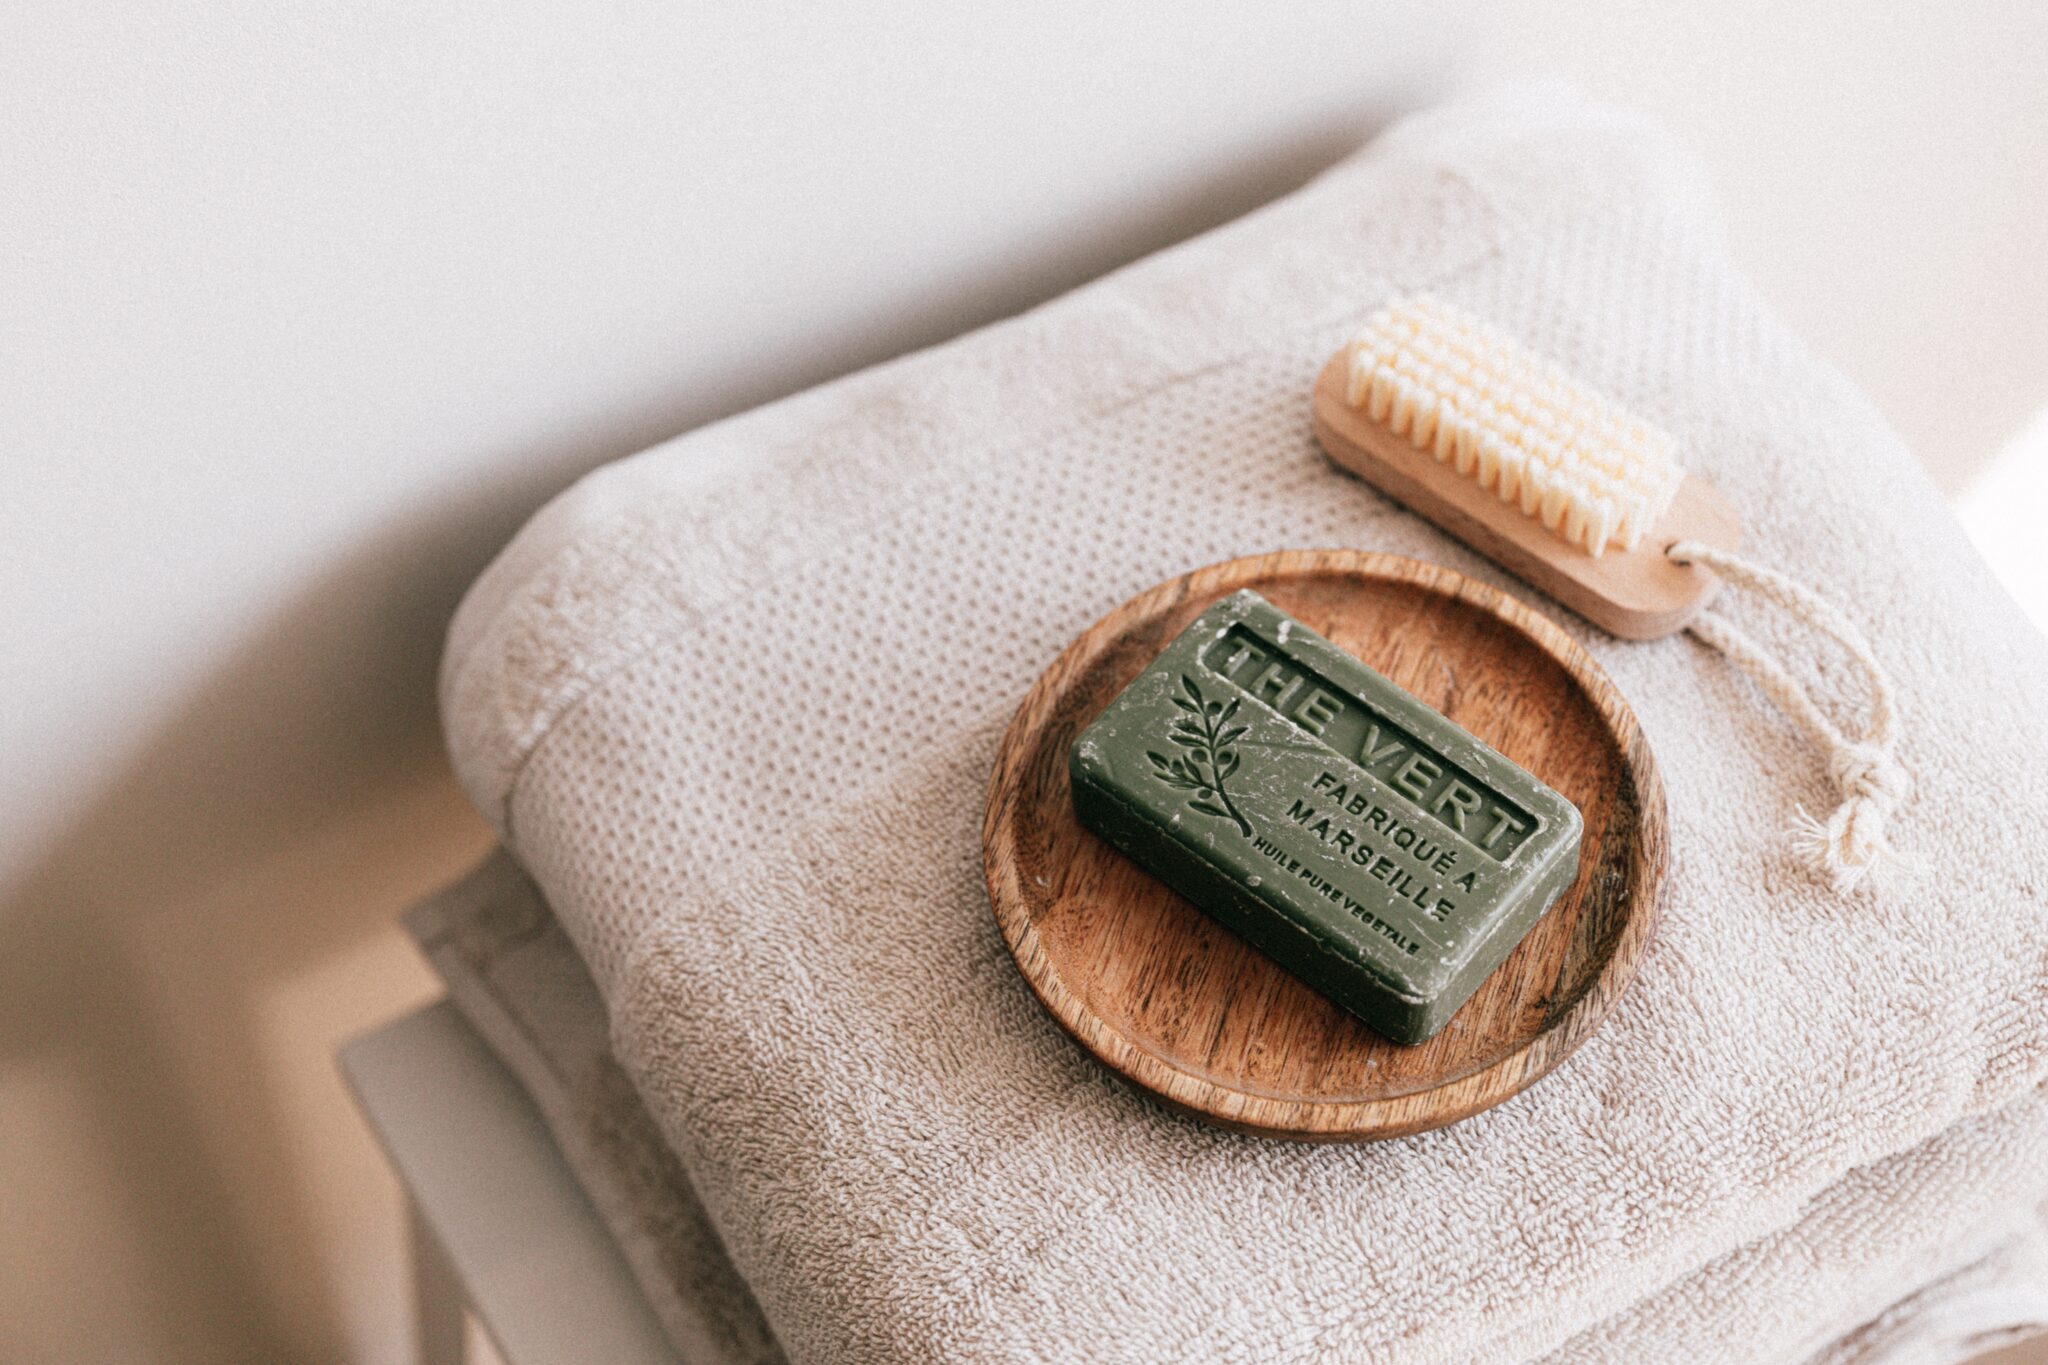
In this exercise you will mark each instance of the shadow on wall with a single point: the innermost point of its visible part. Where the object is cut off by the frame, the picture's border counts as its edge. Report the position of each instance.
(130, 974)
(118, 933)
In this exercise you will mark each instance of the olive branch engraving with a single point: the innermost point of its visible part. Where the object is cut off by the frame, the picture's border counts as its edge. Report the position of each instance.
(1206, 733)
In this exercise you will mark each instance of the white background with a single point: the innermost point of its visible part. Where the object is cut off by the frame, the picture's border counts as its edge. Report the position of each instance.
(304, 308)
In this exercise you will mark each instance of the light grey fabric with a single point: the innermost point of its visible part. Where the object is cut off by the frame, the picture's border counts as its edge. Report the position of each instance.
(1938, 1213)
(513, 974)
(1996, 1301)
(734, 701)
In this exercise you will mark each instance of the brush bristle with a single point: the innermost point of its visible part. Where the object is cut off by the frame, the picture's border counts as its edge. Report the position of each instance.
(1514, 423)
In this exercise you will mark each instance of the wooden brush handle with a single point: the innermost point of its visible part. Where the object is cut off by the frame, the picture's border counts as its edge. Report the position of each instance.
(1637, 594)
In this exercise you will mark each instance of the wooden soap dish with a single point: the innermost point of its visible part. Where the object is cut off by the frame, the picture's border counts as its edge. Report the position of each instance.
(1186, 1011)
(1637, 594)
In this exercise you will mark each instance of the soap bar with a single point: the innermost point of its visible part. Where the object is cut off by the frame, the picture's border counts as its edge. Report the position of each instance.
(1370, 846)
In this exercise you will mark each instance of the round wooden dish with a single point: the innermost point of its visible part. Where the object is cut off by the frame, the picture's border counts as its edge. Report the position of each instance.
(1187, 1011)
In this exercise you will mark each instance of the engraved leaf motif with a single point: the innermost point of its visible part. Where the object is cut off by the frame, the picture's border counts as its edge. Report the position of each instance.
(1200, 732)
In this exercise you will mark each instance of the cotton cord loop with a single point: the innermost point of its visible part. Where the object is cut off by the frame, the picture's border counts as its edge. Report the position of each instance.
(1849, 848)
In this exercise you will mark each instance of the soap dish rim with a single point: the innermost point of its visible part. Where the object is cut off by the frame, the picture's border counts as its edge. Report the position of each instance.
(1291, 1117)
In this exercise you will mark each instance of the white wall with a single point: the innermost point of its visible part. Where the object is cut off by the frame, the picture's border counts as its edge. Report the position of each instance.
(303, 314)
(302, 309)
(1883, 168)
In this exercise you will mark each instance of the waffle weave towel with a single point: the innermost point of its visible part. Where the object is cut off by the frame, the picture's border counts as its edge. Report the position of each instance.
(1971, 1280)
(733, 702)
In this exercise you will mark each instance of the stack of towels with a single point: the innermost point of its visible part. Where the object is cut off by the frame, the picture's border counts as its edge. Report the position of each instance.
(732, 705)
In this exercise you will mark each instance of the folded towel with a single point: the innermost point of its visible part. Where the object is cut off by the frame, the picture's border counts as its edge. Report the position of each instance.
(515, 976)
(733, 703)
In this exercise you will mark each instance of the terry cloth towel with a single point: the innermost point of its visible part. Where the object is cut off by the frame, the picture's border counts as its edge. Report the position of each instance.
(732, 702)
(515, 976)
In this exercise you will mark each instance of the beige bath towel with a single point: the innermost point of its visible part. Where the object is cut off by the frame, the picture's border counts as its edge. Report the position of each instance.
(1903, 1225)
(514, 976)
(733, 703)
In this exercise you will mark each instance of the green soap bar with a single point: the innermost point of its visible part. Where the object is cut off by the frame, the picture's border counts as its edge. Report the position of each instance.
(1368, 845)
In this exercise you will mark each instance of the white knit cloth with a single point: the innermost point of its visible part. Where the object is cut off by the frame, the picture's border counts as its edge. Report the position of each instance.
(734, 703)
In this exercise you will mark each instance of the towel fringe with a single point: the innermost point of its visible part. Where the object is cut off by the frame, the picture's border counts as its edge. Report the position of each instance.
(1849, 848)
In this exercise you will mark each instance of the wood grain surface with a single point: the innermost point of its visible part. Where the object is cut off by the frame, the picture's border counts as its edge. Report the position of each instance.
(1637, 594)
(1188, 1012)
